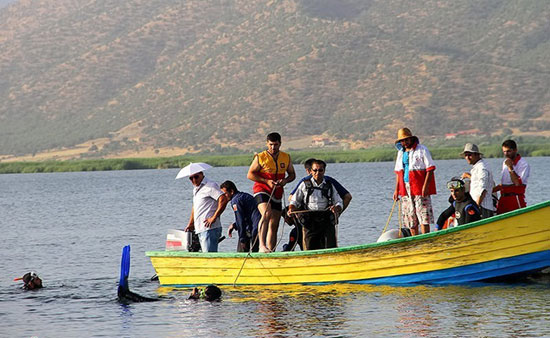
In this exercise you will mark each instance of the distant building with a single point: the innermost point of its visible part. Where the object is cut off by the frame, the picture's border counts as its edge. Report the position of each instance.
(321, 142)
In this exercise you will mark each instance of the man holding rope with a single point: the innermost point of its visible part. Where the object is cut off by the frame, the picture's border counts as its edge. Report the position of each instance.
(321, 204)
(269, 171)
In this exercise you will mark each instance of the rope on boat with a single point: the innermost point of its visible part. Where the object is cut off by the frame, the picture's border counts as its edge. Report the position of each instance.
(283, 227)
(400, 215)
(255, 240)
(306, 211)
(391, 214)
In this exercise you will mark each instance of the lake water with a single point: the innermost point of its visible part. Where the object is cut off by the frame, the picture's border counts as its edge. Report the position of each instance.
(71, 227)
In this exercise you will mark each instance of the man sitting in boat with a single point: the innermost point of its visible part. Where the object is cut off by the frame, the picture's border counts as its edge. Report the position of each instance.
(295, 236)
(320, 205)
(463, 207)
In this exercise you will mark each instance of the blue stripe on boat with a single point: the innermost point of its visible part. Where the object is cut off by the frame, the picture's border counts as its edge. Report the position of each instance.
(470, 273)
(464, 274)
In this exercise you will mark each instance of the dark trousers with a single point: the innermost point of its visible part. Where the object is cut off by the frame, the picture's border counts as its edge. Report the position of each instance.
(319, 231)
(245, 246)
(486, 213)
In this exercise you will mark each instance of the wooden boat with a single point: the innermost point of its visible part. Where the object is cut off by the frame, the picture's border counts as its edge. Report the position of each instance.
(508, 244)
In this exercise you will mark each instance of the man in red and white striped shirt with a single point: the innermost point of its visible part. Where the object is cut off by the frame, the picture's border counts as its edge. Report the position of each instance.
(415, 181)
(515, 172)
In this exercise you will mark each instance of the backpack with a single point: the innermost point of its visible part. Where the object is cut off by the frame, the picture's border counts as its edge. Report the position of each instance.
(326, 191)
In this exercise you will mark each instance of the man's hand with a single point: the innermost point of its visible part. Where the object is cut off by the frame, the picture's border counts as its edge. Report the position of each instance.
(270, 183)
(395, 196)
(509, 163)
(230, 230)
(189, 228)
(208, 222)
(336, 209)
(290, 210)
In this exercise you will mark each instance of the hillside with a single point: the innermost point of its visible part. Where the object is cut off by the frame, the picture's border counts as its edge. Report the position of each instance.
(205, 74)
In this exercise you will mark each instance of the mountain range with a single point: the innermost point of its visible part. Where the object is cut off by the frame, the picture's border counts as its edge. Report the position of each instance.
(107, 78)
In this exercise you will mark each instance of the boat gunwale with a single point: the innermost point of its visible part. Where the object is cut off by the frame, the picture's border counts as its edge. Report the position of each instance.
(347, 249)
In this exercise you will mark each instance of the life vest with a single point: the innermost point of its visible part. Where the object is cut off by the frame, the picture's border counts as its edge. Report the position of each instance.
(271, 169)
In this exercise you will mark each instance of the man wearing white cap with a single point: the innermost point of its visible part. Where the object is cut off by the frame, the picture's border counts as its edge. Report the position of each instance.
(481, 180)
(209, 202)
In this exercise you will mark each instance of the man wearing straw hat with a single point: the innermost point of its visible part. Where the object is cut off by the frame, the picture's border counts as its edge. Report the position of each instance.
(415, 181)
(481, 180)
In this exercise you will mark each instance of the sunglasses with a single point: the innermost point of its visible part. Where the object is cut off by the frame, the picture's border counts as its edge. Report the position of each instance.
(318, 170)
(194, 177)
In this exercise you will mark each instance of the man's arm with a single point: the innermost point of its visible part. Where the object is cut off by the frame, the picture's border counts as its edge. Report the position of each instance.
(481, 198)
(342, 192)
(222, 203)
(396, 191)
(450, 211)
(291, 174)
(429, 175)
(296, 200)
(191, 224)
(337, 206)
(485, 177)
(346, 200)
(472, 214)
(513, 175)
(254, 170)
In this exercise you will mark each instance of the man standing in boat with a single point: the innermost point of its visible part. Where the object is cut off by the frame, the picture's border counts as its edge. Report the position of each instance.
(295, 234)
(269, 171)
(481, 180)
(247, 217)
(515, 172)
(208, 204)
(322, 205)
(415, 181)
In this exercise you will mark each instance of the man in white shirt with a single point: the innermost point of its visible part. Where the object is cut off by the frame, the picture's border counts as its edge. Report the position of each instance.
(515, 172)
(209, 202)
(321, 204)
(481, 180)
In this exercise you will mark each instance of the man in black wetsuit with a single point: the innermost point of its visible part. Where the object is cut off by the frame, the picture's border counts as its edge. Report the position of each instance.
(463, 208)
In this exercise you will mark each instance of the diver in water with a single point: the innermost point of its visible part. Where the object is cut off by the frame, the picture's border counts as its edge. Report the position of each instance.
(210, 293)
(31, 281)
(124, 293)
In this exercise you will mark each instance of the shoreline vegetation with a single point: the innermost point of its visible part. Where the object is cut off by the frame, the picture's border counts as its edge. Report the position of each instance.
(298, 156)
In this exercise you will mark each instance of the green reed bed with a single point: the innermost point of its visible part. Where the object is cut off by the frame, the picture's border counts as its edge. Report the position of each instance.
(298, 156)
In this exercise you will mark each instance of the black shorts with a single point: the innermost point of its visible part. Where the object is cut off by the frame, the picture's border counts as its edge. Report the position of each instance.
(264, 198)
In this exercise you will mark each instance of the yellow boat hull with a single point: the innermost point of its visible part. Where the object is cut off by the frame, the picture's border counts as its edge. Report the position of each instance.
(512, 243)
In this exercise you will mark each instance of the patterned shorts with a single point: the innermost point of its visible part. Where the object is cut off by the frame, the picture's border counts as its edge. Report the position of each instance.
(416, 210)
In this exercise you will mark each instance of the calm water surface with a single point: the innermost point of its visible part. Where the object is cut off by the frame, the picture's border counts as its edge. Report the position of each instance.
(71, 227)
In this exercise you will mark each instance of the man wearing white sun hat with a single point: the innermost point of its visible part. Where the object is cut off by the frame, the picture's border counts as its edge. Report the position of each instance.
(209, 202)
